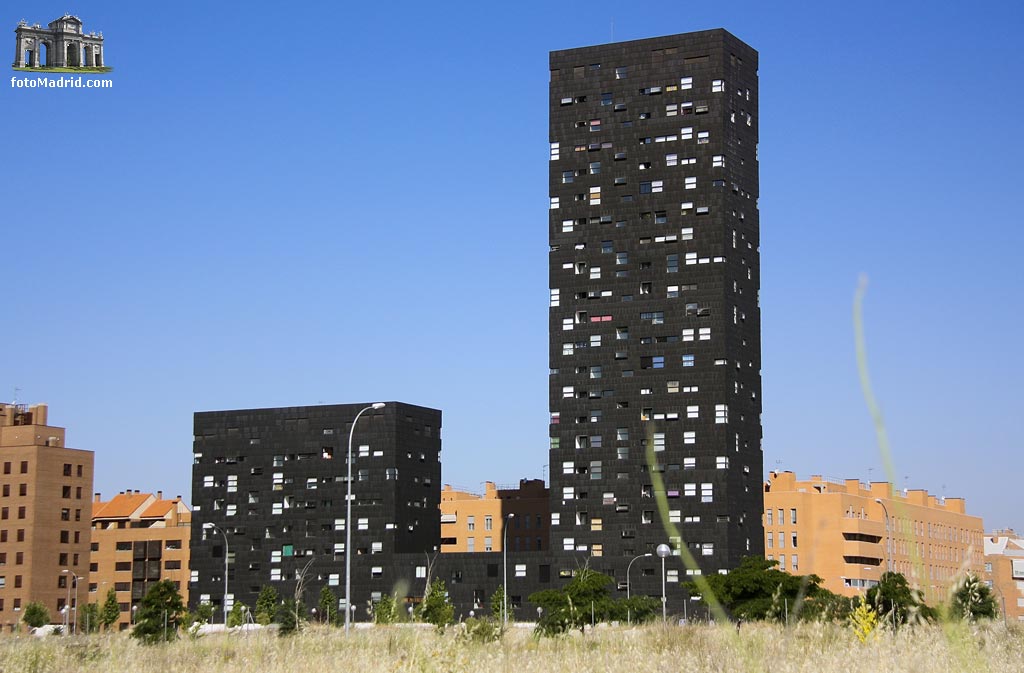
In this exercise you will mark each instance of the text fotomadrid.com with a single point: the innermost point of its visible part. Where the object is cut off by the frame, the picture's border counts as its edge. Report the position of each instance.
(60, 83)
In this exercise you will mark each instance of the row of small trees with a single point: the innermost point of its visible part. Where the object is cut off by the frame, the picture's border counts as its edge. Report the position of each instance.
(91, 618)
(758, 590)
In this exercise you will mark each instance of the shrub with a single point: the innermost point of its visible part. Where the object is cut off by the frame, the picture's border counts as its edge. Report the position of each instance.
(289, 617)
(238, 614)
(328, 607)
(481, 630)
(385, 611)
(36, 615)
(863, 621)
(972, 600)
(436, 609)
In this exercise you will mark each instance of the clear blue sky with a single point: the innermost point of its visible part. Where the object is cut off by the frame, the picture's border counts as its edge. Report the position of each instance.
(285, 204)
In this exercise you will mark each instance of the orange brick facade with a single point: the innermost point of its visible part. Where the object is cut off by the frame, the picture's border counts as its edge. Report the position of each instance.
(837, 530)
(475, 523)
(138, 539)
(45, 512)
(1004, 572)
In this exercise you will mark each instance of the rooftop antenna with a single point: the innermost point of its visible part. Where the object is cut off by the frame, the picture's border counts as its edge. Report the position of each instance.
(16, 391)
(870, 469)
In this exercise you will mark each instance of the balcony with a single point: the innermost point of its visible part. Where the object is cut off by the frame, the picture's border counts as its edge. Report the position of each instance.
(862, 526)
(857, 548)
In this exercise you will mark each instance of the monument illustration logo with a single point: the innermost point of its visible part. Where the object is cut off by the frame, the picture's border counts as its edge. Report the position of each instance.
(62, 46)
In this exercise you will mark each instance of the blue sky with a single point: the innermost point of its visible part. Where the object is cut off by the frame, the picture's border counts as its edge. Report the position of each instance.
(330, 202)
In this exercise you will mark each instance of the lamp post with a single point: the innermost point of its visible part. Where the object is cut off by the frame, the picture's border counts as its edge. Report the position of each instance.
(348, 517)
(504, 563)
(628, 566)
(208, 526)
(73, 578)
(663, 551)
(888, 537)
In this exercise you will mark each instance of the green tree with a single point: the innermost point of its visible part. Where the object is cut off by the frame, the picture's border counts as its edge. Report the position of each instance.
(756, 589)
(289, 616)
(159, 614)
(203, 614)
(824, 605)
(497, 599)
(972, 600)
(36, 615)
(896, 602)
(385, 611)
(636, 609)
(267, 604)
(328, 607)
(584, 600)
(111, 611)
(237, 616)
(436, 609)
(89, 619)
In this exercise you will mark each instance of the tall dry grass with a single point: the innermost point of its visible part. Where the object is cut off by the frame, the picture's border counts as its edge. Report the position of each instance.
(821, 648)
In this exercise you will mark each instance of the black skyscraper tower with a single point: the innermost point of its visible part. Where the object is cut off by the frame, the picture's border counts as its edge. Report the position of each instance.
(654, 318)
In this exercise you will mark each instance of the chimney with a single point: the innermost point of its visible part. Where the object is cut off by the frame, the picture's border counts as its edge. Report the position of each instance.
(159, 495)
(95, 497)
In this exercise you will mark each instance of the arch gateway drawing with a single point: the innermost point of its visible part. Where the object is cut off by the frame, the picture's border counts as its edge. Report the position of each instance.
(62, 44)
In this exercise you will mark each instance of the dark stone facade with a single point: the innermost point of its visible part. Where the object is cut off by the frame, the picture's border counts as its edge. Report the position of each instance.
(654, 318)
(274, 481)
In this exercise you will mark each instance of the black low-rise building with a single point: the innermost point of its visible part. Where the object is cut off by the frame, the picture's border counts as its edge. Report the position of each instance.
(273, 482)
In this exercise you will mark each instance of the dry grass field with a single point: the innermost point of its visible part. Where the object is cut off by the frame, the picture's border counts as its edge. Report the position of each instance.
(821, 648)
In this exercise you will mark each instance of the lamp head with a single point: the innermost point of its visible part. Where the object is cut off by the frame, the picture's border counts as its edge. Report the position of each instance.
(878, 500)
(378, 405)
(207, 525)
(664, 551)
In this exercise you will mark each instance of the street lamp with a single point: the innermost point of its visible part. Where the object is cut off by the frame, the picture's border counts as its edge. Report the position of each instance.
(663, 551)
(348, 517)
(68, 571)
(888, 537)
(628, 566)
(504, 563)
(208, 526)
